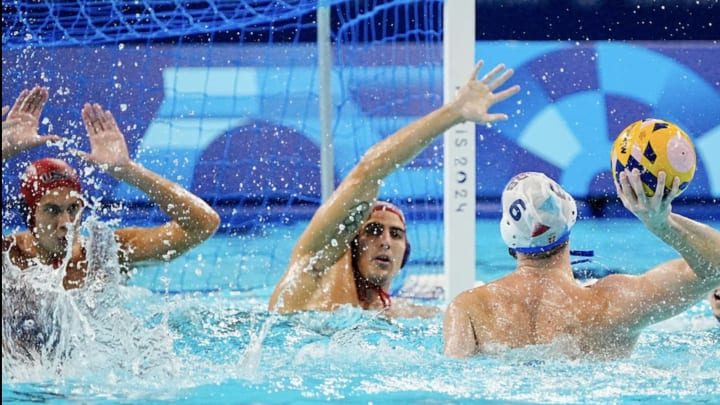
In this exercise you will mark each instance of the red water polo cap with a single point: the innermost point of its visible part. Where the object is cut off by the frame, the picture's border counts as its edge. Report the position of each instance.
(386, 206)
(44, 175)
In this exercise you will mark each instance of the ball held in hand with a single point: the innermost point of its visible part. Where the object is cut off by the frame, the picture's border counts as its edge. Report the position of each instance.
(651, 146)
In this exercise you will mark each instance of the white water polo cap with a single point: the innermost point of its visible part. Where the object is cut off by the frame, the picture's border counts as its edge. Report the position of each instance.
(537, 213)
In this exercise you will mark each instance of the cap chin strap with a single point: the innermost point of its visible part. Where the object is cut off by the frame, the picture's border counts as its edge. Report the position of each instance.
(384, 297)
(361, 281)
(382, 294)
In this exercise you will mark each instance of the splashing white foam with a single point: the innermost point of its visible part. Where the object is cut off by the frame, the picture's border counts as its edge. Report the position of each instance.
(50, 333)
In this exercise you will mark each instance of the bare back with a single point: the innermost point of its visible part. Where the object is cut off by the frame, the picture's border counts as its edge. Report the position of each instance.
(601, 320)
(513, 313)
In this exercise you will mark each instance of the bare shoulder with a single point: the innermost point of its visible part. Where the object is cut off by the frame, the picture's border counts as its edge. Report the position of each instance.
(18, 240)
(471, 300)
(464, 322)
(611, 288)
(611, 282)
(18, 248)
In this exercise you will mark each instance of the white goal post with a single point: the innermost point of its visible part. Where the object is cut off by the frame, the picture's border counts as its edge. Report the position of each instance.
(459, 204)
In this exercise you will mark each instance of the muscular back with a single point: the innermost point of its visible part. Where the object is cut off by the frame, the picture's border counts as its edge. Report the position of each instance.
(516, 312)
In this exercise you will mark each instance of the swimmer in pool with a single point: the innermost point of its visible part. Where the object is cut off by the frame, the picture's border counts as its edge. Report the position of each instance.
(540, 303)
(53, 202)
(355, 245)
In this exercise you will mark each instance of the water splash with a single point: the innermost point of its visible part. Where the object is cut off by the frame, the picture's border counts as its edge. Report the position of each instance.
(250, 361)
(53, 334)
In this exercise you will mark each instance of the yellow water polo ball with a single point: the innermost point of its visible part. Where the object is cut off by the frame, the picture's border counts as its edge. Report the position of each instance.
(654, 145)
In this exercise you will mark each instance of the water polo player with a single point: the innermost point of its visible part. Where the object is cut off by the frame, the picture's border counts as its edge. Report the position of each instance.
(52, 194)
(353, 247)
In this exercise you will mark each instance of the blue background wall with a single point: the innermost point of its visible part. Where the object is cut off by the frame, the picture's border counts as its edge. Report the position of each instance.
(240, 124)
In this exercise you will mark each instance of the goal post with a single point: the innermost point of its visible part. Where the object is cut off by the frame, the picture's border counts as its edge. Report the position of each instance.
(325, 100)
(459, 204)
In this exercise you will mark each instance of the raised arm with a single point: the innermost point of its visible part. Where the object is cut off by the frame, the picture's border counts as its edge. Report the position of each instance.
(336, 222)
(671, 287)
(20, 129)
(192, 220)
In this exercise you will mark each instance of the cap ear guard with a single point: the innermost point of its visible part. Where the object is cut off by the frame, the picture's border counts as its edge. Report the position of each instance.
(406, 255)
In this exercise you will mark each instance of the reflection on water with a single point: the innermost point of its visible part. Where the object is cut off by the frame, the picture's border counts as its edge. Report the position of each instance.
(110, 342)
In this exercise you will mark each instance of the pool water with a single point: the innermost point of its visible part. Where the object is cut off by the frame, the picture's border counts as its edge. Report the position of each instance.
(219, 344)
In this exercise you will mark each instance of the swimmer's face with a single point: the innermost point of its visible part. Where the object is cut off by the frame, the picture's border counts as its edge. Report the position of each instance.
(55, 212)
(381, 246)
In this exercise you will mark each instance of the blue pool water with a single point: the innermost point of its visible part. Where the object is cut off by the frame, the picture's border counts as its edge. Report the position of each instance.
(217, 343)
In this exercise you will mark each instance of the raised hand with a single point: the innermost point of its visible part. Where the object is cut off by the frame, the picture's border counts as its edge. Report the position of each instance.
(108, 148)
(477, 96)
(20, 129)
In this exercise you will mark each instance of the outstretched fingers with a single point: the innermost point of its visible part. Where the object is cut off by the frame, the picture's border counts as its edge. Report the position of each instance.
(476, 70)
(493, 82)
(93, 117)
(35, 100)
(30, 102)
(502, 95)
(19, 101)
(108, 149)
(473, 100)
(20, 128)
(507, 74)
(98, 119)
(109, 120)
(489, 78)
(492, 117)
